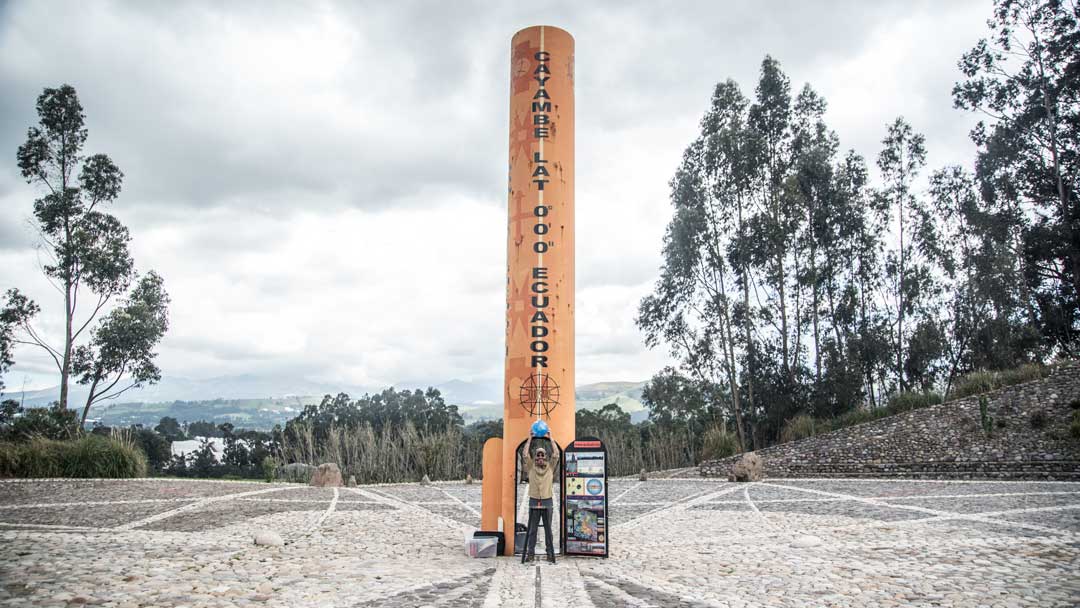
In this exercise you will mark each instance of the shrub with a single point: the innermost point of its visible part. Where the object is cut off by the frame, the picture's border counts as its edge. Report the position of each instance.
(90, 456)
(799, 427)
(53, 422)
(1039, 420)
(1074, 428)
(983, 380)
(903, 402)
(1024, 373)
(719, 442)
(973, 384)
(858, 417)
(269, 467)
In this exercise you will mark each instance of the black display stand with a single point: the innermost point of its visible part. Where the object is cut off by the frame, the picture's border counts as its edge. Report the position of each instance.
(585, 529)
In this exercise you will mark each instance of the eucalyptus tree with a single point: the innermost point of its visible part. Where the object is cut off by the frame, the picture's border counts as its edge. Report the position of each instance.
(860, 220)
(120, 355)
(988, 324)
(813, 151)
(1024, 80)
(691, 308)
(912, 288)
(7, 348)
(774, 225)
(87, 254)
(956, 206)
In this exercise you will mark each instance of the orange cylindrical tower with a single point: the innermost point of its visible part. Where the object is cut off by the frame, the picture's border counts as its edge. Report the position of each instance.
(539, 372)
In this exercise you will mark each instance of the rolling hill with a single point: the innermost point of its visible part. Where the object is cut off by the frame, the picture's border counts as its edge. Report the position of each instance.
(260, 402)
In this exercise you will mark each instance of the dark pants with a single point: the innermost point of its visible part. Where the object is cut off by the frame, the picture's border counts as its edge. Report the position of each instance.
(535, 513)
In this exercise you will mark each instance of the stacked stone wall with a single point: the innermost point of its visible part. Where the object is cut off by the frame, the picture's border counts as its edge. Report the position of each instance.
(945, 441)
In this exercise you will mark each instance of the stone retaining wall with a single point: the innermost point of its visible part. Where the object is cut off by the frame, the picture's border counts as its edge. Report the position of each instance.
(945, 441)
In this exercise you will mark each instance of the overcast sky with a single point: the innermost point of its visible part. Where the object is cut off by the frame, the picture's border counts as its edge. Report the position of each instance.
(322, 185)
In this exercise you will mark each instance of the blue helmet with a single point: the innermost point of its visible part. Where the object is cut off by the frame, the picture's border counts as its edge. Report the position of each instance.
(539, 429)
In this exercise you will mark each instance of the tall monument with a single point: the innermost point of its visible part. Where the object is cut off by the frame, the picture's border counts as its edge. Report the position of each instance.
(539, 369)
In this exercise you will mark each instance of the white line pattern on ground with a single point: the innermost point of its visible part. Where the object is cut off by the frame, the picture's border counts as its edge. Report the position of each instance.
(98, 503)
(626, 491)
(327, 513)
(621, 595)
(191, 507)
(935, 513)
(683, 503)
(848, 497)
(455, 499)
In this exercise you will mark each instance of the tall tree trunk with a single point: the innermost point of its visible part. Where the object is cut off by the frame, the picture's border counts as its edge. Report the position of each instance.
(815, 312)
(798, 315)
(65, 370)
(729, 356)
(783, 313)
(900, 306)
(747, 336)
(1070, 217)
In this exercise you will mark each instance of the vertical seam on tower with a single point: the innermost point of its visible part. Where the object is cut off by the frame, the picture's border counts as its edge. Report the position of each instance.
(540, 263)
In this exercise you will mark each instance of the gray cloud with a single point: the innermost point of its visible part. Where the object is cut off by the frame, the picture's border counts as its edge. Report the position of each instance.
(322, 186)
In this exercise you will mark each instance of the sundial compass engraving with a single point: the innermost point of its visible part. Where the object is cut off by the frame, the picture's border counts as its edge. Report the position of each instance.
(539, 394)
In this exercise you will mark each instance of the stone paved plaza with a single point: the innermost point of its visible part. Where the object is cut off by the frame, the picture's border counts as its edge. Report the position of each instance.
(675, 542)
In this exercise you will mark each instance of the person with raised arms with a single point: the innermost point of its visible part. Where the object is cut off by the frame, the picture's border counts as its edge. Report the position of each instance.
(540, 467)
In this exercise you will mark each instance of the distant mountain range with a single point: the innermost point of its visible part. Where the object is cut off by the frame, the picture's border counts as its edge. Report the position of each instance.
(255, 401)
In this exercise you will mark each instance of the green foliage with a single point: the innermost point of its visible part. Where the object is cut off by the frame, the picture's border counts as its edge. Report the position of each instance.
(903, 402)
(799, 427)
(672, 441)
(156, 447)
(972, 384)
(858, 417)
(1023, 77)
(1019, 375)
(718, 442)
(269, 467)
(122, 345)
(983, 381)
(394, 454)
(202, 428)
(863, 290)
(87, 247)
(7, 346)
(1074, 426)
(170, 429)
(90, 456)
(203, 461)
(898, 403)
(53, 422)
(426, 411)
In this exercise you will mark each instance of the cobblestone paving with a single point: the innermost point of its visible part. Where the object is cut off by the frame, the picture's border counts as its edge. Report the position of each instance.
(675, 542)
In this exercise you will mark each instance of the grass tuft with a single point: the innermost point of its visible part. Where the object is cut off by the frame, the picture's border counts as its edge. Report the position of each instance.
(719, 442)
(799, 427)
(983, 381)
(90, 456)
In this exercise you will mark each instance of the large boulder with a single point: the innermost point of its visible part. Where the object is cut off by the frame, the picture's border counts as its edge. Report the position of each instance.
(748, 468)
(296, 472)
(328, 475)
